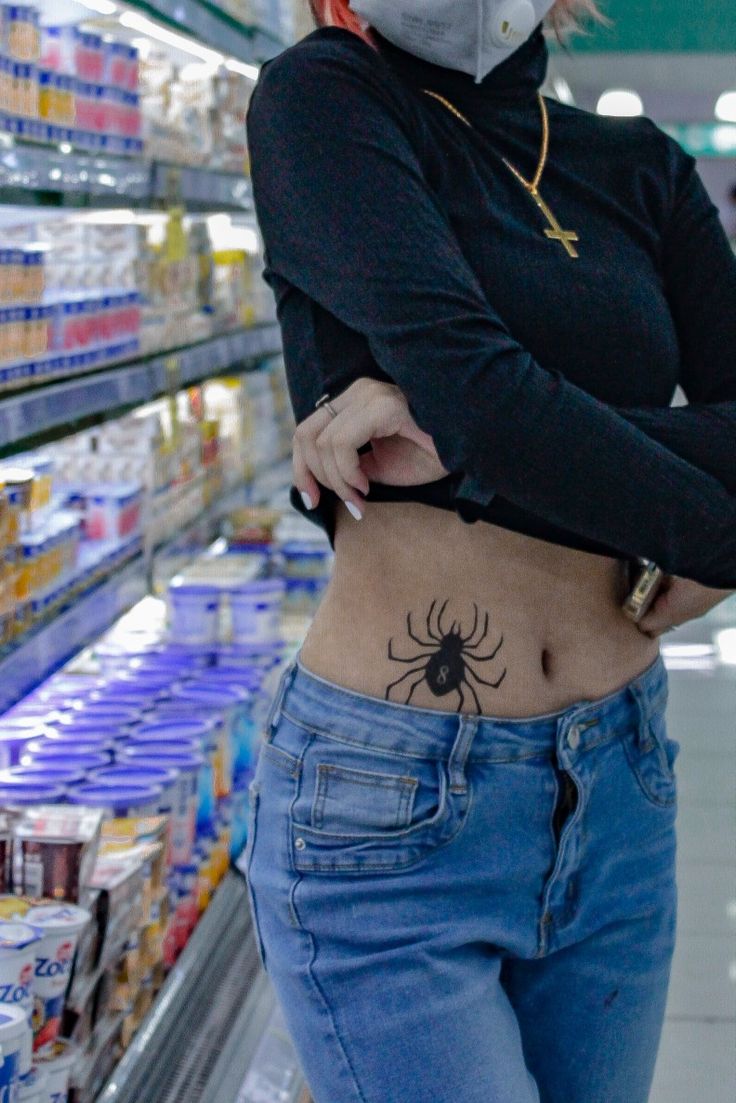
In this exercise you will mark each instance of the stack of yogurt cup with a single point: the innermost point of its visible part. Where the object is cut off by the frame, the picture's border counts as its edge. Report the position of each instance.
(36, 953)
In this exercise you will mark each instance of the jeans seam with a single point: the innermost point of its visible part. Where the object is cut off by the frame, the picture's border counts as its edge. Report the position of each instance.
(633, 763)
(313, 729)
(322, 998)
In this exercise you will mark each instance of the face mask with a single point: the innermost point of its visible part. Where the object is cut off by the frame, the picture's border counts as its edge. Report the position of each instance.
(473, 36)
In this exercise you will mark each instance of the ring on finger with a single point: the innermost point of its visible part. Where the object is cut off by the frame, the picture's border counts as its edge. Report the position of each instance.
(325, 401)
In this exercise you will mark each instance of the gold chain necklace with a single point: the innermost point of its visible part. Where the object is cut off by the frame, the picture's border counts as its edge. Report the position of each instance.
(554, 231)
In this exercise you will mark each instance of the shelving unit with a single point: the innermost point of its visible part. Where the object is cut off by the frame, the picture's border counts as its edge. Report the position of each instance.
(213, 1024)
(47, 648)
(41, 411)
(46, 175)
(213, 27)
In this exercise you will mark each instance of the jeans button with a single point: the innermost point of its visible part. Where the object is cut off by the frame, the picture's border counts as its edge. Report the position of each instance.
(299, 844)
(573, 737)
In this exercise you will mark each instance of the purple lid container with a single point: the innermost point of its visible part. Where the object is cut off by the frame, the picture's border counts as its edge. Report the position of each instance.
(120, 798)
(59, 752)
(147, 676)
(106, 714)
(74, 742)
(187, 759)
(31, 792)
(130, 773)
(218, 696)
(172, 731)
(15, 740)
(52, 773)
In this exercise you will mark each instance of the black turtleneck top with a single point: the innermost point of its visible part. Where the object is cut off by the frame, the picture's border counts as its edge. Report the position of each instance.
(399, 246)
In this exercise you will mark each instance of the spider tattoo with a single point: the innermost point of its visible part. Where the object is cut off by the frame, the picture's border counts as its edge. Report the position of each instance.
(449, 656)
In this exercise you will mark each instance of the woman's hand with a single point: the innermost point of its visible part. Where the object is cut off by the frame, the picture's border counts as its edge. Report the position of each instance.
(325, 448)
(678, 601)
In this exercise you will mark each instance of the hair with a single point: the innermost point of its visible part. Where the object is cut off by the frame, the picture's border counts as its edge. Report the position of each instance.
(565, 18)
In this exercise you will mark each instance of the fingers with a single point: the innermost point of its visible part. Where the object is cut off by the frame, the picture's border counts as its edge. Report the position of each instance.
(326, 447)
(303, 478)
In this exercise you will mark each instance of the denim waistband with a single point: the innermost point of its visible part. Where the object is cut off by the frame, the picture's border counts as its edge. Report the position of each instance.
(344, 714)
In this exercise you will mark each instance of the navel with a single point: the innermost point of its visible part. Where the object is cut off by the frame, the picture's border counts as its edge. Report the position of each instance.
(546, 662)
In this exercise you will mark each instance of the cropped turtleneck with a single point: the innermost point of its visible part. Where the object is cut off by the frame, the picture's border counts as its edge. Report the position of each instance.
(399, 246)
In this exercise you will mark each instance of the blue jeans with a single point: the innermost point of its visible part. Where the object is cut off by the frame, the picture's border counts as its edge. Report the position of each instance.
(465, 909)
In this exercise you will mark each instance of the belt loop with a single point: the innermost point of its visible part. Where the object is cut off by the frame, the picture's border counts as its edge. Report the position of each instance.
(645, 739)
(467, 728)
(274, 709)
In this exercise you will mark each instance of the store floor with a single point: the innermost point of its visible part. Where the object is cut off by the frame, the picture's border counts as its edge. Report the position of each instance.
(697, 1057)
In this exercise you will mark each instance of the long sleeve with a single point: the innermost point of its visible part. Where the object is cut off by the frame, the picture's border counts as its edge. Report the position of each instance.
(699, 271)
(347, 216)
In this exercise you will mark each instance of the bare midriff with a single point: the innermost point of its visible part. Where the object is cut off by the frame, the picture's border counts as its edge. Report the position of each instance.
(489, 620)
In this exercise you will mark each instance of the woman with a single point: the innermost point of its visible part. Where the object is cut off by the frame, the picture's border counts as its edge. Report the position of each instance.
(462, 839)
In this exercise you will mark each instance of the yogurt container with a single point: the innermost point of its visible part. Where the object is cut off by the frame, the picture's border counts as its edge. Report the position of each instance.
(250, 655)
(194, 611)
(214, 731)
(54, 754)
(85, 727)
(15, 735)
(32, 792)
(57, 1065)
(33, 1088)
(147, 773)
(15, 1046)
(120, 799)
(255, 610)
(51, 773)
(18, 943)
(108, 714)
(61, 926)
(194, 810)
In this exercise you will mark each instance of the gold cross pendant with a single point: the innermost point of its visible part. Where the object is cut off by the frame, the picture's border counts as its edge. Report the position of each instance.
(555, 232)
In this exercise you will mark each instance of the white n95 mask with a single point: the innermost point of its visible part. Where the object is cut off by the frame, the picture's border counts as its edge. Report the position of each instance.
(473, 36)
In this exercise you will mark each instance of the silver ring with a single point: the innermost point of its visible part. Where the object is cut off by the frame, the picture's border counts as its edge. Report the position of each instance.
(325, 401)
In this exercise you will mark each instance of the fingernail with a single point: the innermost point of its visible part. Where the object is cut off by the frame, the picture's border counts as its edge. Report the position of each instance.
(307, 500)
(354, 510)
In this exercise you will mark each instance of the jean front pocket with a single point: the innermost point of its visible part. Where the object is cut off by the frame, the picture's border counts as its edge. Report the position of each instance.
(652, 759)
(363, 809)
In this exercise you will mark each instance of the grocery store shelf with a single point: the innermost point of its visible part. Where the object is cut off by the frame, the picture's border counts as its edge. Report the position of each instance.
(212, 26)
(38, 174)
(46, 408)
(217, 977)
(46, 648)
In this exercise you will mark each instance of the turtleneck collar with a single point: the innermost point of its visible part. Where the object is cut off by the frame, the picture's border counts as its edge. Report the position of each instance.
(515, 81)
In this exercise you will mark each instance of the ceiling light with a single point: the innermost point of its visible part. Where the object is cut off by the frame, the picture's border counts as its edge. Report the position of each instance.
(563, 91)
(102, 7)
(620, 101)
(724, 138)
(235, 66)
(136, 22)
(726, 107)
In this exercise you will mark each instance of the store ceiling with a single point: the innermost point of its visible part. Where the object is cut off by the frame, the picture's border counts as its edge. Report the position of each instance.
(705, 26)
(675, 87)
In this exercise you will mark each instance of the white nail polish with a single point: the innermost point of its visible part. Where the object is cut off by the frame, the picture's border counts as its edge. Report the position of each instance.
(354, 510)
(307, 500)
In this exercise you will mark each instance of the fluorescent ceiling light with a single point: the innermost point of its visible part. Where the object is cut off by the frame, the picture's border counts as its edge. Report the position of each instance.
(726, 107)
(236, 66)
(103, 7)
(620, 101)
(563, 91)
(136, 22)
(724, 138)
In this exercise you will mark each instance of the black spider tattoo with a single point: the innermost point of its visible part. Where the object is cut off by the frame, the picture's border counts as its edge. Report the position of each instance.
(449, 657)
